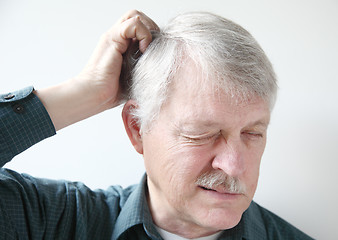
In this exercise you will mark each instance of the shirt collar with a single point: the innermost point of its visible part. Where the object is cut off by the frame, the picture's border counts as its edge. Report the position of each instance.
(250, 227)
(253, 223)
(135, 211)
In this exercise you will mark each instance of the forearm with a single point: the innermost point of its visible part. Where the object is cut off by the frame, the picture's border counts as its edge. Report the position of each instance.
(70, 102)
(94, 90)
(97, 88)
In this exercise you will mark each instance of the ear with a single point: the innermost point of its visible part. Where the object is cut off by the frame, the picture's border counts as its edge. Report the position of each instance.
(131, 125)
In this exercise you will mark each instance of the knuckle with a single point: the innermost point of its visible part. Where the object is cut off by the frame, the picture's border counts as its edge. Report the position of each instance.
(133, 12)
(135, 20)
(123, 31)
(119, 46)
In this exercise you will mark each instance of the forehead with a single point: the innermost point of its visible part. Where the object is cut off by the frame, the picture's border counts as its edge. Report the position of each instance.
(195, 99)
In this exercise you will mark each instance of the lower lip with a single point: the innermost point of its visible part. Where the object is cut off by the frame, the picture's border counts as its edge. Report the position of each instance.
(221, 196)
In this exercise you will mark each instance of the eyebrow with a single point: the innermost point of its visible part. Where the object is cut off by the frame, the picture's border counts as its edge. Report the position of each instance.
(209, 125)
(190, 128)
(259, 123)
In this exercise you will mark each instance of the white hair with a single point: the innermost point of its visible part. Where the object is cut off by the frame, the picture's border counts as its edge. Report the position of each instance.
(228, 56)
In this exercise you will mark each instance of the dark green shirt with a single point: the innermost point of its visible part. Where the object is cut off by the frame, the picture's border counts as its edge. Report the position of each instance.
(32, 208)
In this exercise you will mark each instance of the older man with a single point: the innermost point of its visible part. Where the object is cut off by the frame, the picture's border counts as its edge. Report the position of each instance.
(197, 107)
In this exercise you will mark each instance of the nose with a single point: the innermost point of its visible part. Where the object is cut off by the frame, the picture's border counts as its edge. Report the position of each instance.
(229, 157)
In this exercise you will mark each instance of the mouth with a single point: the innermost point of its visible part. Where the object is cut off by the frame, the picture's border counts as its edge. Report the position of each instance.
(204, 188)
(219, 190)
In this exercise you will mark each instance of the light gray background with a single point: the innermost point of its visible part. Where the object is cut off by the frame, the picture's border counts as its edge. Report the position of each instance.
(46, 42)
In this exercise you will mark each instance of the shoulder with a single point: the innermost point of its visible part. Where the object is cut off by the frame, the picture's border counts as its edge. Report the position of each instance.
(46, 206)
(116, 191)
(275, 227)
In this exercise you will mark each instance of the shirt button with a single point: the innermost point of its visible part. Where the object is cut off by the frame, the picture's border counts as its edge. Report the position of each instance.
(9, 96)
(18, 108)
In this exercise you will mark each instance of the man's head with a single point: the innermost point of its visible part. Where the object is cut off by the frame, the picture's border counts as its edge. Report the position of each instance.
(201, 97)
(227, 55)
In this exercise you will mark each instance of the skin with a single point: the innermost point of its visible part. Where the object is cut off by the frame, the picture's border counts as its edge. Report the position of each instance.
(198, 132)
(96, 88)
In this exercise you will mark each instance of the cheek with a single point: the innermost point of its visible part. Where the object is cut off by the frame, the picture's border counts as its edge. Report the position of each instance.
(177, 165)
(192, 159)
(185, 164)
(253, 160)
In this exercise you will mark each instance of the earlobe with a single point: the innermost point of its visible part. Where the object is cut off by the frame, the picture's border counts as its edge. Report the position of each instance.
(132, 126)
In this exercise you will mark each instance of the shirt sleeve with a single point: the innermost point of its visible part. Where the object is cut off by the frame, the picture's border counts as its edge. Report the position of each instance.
(33, 208)
(23, 122)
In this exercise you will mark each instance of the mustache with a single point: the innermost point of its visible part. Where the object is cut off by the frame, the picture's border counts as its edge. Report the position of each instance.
(213, 180)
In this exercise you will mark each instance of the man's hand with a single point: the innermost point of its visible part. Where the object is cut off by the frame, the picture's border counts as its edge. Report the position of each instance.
(104, 67)
(96, 88)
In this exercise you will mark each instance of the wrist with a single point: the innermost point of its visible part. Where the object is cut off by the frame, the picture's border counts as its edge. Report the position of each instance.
(89, 87)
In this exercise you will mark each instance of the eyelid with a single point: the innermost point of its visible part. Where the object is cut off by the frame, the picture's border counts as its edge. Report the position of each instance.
(201, 137)
(254, 133)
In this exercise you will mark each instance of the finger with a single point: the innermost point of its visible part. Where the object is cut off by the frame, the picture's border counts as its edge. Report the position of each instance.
(129, 14)
(148, 22)
(132, 28)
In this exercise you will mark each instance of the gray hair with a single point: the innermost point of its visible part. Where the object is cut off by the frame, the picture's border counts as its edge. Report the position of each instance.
(225, 52)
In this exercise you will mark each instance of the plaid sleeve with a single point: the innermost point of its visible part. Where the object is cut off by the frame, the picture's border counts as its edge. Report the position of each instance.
(23, 122)
(32, 208)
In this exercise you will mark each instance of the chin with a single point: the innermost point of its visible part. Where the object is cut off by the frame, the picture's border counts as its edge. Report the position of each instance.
(220, 210)
(220, 218)
(225, 221)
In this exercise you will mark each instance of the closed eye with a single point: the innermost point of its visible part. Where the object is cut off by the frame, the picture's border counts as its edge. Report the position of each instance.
(200, 139)
(253, 134)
